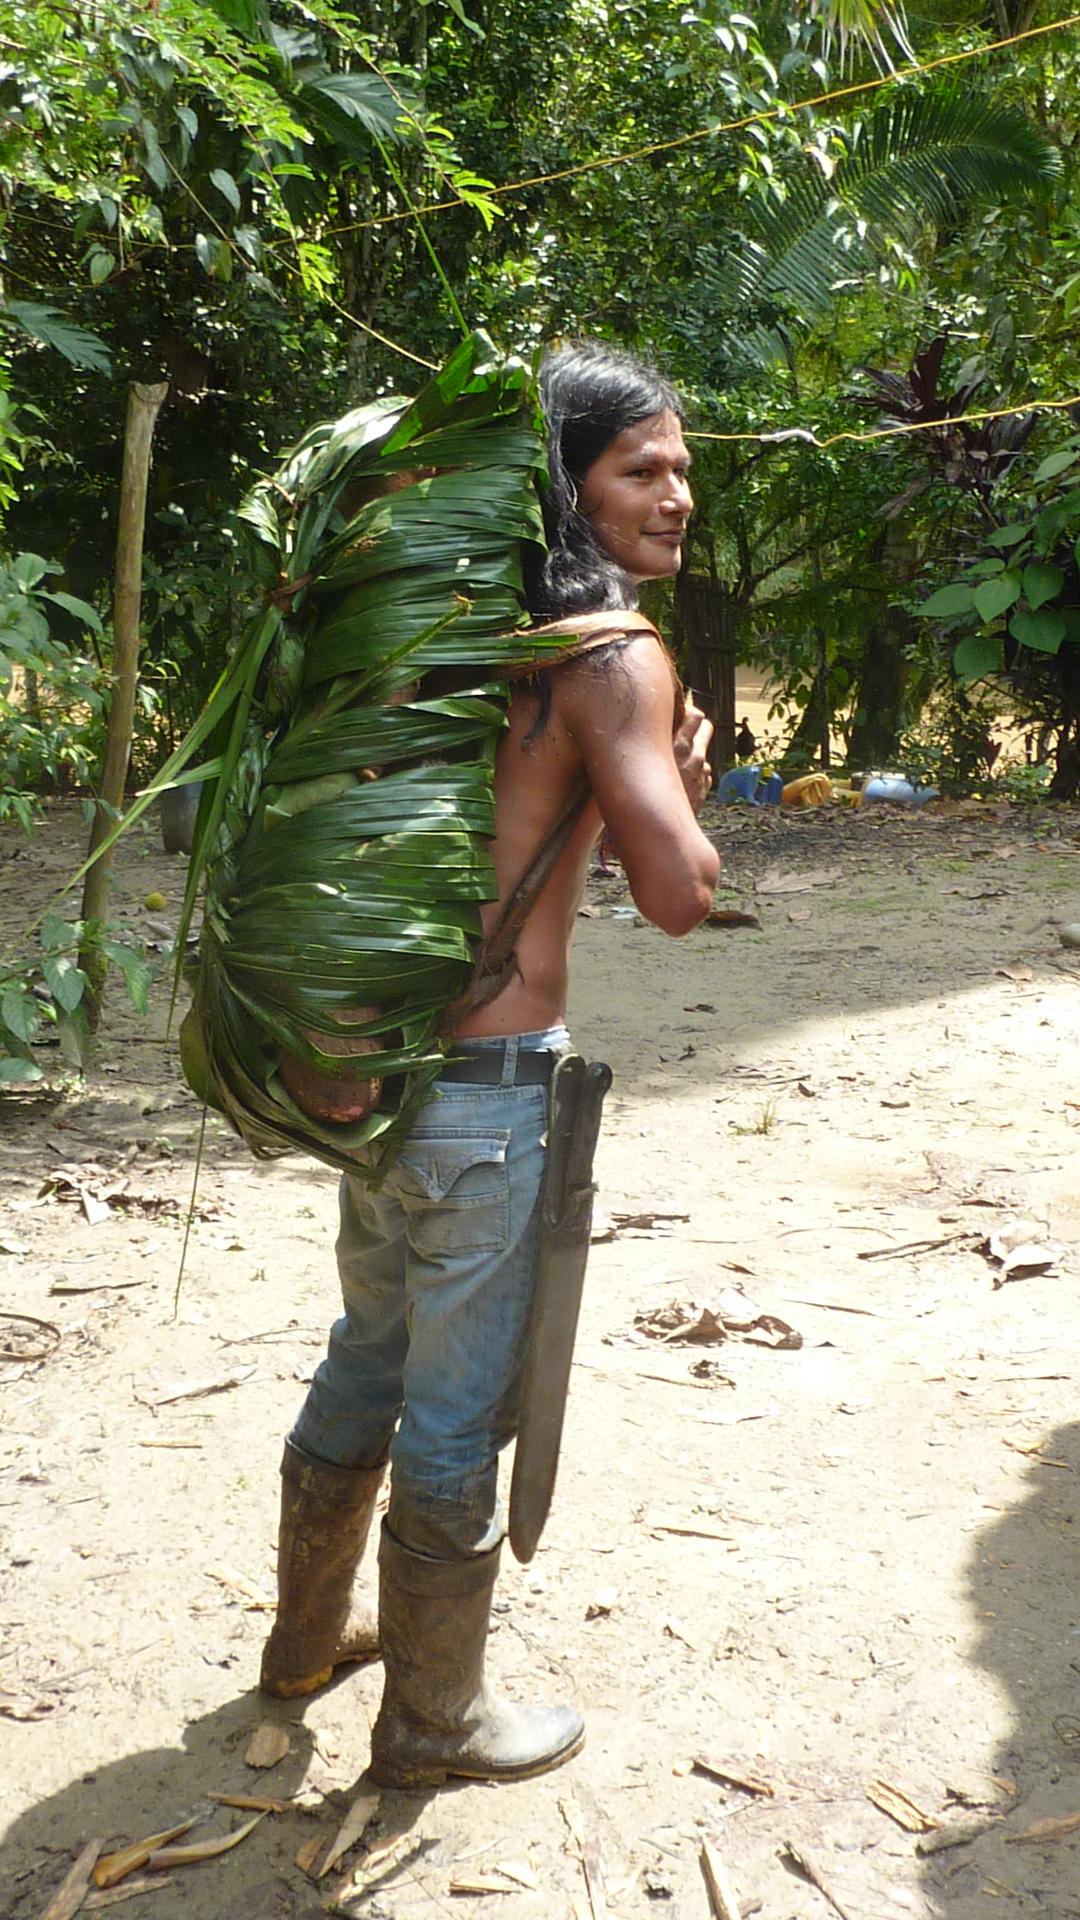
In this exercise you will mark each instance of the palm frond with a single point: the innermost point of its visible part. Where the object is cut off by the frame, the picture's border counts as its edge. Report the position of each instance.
(920, 159)
(343, 841)
(872, 24)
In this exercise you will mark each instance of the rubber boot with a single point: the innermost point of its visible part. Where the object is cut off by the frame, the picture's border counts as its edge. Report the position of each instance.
(325, 1521)
(437, 1716)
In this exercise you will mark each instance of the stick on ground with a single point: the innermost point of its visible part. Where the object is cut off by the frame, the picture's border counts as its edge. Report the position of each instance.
(722, 1897)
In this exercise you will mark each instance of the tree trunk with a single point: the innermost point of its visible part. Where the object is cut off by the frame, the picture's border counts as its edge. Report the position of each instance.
(144, 405)
(812, 728)
(1065, 781)
(879, 703)
(705, 640)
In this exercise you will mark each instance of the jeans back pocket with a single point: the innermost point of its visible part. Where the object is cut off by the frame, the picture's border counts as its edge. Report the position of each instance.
(455, 1189)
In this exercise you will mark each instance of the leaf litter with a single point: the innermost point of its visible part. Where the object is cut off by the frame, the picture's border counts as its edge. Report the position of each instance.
(689, 1323)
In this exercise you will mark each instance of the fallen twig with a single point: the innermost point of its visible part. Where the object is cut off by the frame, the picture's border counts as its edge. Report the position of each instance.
(671, 1380)
(592, 1864)
(900, 1807)
(112, 1896)
(30, 1320)
(72, 1890)
(1045, 1830)
(691, 1533)
(721, 1892)
(730, 1777)
(831, 1306)
(247, 1803)
(955, 1833)
(919, 1246)
(808, 1867)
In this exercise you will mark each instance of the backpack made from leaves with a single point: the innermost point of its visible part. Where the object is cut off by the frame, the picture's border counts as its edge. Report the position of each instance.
(347, 804)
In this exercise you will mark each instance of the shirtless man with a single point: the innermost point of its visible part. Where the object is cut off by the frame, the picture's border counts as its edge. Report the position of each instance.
(438, 1265)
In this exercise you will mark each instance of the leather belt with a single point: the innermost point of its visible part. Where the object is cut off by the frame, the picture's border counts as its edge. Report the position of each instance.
(534, 1067)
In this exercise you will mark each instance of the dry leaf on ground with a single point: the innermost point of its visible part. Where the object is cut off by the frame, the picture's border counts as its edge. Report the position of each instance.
(25, 1706)
(1016, 1251)
(774, 881)
(115, 1866)
(200, 1850)
(268, 1745)
(685, 1323)
(308, 1853)
(731, 917)
(602, 1603)
(493, 1881)
(360, 1815)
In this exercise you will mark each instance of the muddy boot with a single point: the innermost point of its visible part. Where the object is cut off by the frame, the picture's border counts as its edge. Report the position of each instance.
(325, 1521)
(437, 1715)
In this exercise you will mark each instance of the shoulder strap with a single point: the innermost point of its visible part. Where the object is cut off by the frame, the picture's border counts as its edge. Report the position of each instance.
(586, 631)
(496, 959)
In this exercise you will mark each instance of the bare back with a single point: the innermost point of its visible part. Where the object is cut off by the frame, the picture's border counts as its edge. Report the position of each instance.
(611, 720)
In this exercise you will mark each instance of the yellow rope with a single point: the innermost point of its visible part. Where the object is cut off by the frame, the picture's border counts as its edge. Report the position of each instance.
(723, 126)
(808, 438)
(373, 332)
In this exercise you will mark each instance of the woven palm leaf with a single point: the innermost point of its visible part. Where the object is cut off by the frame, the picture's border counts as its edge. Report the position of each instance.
(343, 828)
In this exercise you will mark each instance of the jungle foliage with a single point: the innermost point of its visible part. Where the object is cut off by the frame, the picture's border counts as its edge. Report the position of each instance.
(219, 193)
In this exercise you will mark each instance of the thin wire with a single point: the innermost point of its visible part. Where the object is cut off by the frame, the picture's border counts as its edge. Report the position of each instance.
(383, 338)
(722, 126)
(808, 438)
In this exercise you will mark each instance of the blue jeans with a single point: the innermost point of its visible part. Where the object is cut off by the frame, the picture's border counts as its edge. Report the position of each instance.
(438, 1268)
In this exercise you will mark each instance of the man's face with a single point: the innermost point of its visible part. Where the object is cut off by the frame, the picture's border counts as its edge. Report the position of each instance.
(637, 500)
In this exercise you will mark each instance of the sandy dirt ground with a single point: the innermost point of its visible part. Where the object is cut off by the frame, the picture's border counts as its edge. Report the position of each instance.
(813, 1581)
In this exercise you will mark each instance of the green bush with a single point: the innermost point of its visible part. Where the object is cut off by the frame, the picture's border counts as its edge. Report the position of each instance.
(52, 697)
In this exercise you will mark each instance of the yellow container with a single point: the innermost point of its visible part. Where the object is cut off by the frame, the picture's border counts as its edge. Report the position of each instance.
(809, 790)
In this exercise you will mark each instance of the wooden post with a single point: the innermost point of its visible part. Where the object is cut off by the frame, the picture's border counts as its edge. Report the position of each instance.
(144, 405)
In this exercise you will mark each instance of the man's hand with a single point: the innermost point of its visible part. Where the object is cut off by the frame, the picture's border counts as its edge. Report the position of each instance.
(691, 748)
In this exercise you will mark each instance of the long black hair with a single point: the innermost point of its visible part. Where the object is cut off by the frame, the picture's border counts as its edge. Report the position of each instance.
(590, 394)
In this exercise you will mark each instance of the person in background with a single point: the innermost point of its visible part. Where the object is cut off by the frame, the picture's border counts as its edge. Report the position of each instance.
(745, 744)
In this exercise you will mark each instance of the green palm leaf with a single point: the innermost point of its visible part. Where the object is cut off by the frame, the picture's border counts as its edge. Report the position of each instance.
(343, 830)
(919, 160)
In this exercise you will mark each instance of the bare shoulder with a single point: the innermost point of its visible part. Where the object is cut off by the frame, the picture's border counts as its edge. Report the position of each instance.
(627, 681)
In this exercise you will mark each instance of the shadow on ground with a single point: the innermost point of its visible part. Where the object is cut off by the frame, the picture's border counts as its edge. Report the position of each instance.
(149, 1791)
(1025, 1594)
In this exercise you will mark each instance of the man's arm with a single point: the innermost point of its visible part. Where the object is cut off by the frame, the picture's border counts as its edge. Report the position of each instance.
(620, 714)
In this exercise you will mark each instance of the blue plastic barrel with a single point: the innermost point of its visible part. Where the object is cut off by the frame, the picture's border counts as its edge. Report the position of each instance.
(739, 783)
(893, 786)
